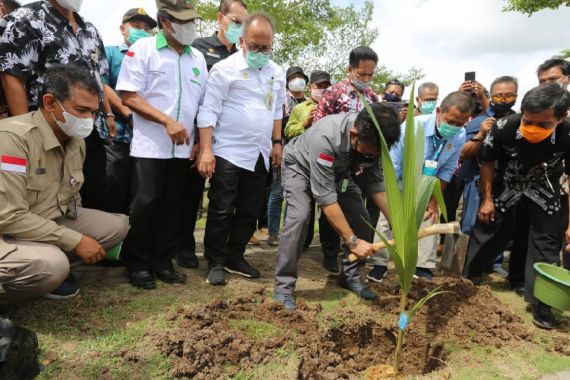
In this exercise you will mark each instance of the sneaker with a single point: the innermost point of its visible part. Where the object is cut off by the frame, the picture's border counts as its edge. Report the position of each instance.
(273, 240)
(425, 273)
(377, 273)
(542, 317)
(360, 289)
(216, 275)
(254, 241)
(500, 271)
(66, 290)
(242, 268)
(331, 264)
(288, 300)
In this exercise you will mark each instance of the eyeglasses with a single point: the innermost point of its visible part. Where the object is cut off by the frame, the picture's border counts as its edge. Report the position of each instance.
(267, 49)
(505, 97)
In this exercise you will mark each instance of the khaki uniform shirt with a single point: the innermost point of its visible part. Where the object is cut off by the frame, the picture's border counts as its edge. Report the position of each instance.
(39, 181)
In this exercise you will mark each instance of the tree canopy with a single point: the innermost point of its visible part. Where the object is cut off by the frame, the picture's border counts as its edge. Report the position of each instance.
(532, 6)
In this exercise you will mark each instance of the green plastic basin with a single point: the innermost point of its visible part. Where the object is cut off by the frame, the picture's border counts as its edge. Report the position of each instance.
(552, 285)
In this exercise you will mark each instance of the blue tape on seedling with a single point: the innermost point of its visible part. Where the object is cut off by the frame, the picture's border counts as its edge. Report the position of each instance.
(403, 321)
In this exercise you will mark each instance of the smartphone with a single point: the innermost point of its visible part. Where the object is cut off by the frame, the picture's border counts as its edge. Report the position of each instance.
(470, 76)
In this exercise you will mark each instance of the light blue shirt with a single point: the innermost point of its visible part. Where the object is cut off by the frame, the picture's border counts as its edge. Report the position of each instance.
(449, 157)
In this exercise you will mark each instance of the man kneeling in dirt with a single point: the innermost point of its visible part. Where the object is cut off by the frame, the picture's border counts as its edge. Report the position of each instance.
(320, 164)
(42, 226)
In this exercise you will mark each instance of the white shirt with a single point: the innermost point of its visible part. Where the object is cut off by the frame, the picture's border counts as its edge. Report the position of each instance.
(172, 83)
(242, 104)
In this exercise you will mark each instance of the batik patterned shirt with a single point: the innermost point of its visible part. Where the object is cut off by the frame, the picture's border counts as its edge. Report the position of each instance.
(37, 37)
(343, 98)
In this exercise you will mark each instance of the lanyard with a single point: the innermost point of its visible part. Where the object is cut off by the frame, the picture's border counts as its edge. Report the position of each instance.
(438, 146)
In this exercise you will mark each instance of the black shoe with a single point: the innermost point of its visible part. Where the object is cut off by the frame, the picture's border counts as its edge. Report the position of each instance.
(360, 289)
(142, 279)
(519, 290)
(425, 273)
(187, 260)
(170, 276)
(331, 264)
(242, 268)
(542, 317)
(216, 275)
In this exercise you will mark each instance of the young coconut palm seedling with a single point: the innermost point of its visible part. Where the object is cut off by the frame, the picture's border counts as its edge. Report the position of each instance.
(406, 209)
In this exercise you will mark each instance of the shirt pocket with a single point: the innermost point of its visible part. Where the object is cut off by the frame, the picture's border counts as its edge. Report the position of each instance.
(37, 187)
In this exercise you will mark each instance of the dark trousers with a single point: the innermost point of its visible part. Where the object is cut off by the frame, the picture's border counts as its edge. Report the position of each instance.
(194, 189)
(543, 244)
(96, 192)
(236, 198)
(119, 168)
(155, 210)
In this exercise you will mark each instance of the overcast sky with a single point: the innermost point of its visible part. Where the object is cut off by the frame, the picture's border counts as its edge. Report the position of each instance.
(443, 37)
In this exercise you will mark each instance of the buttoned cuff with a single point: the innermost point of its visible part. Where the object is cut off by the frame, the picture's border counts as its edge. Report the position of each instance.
(377, 187)
(69, 240)
(327, 199)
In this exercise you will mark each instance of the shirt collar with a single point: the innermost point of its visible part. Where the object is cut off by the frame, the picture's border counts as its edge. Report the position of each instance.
(161, 42)
(123, 48)
(58, 17)
(241, 63)
(48, 137)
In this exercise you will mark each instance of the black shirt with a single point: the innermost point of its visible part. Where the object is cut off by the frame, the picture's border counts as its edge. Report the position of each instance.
(213, 49)
(526, 169)
(36, 37)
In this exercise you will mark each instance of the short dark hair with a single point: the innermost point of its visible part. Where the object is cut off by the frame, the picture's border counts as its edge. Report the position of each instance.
(60, 78)
(261, 16)
(427, 85)
(462, 100)
(225, 5)
(395, 82)
(11, 5)
(547, 96)
(387, 118)
(506, 79)
(554, 62)
(163, 15)
(361, 53)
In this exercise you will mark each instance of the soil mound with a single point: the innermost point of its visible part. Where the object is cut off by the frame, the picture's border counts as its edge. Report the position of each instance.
(226, 337)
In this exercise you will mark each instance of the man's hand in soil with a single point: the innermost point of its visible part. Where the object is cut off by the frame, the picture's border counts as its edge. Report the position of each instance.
(362, 249)
(487, 211)
(89, 250)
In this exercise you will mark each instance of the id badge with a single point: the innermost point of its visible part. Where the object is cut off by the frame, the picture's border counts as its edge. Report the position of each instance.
(344, 186)
(430, 168)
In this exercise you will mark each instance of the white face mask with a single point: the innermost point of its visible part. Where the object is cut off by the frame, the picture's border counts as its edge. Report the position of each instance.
(73, 125)
(317, 94)
(184, 33)
(72, 5)
(297, 84)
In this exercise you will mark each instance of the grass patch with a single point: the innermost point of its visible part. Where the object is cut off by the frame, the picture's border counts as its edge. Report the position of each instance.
(256, 330)
(283, 365)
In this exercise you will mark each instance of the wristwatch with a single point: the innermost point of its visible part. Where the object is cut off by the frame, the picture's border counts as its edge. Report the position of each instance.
(351, 242)
(276, 141)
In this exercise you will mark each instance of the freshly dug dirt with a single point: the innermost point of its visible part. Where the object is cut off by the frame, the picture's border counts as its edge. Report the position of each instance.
(219, 339)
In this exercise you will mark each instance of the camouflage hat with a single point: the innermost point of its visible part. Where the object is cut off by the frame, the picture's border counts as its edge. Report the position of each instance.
(183, 10)
(139, 14)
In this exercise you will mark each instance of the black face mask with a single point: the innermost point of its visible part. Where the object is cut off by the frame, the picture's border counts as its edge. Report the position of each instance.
(361, 161)
(501, 108)
(391, 97)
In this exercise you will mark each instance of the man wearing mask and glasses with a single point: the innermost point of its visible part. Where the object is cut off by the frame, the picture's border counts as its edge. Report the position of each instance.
(223, 43)
(163, 81)
(136, 24)
(240, 128)
(426, 100)
(528, 149)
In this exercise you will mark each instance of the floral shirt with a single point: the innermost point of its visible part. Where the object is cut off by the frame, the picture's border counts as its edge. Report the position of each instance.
(36, 37)
(343, 98)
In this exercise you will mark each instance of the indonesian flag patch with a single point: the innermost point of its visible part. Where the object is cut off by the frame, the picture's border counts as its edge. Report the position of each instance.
(13, 164)
(325, 160)
(130, 53)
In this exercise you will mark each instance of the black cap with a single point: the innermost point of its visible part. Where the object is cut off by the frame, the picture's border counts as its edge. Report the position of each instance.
(296, 70)
(139, 14)
(319, 76)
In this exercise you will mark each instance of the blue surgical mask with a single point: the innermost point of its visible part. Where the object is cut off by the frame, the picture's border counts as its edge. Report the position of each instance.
(428, 107)
(137, 34)
(233, 33)
(448, 131)
(257, 60)
(360, 84)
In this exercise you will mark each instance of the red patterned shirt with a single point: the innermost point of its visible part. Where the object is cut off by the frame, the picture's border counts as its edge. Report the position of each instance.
(343, 98)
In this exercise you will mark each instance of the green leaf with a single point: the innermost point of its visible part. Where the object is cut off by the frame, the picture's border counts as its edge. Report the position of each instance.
(427, 183)
(438, 194)
(396, 258)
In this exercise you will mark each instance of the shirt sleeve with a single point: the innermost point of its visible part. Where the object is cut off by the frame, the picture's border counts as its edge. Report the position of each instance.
(491, 148)
(133, 74)
(374, 178)
(325, 105)
(16, 219)
(280, 99)
(473, 127)
(294, 126)
(103, 63)
(19, 47)
(397, 154)
(107, 77)
(321, 164)
(445, 172)
(216, 92)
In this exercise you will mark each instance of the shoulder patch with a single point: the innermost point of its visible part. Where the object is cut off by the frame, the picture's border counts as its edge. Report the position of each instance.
(13, 164)
(130, 53)
(326, 160)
